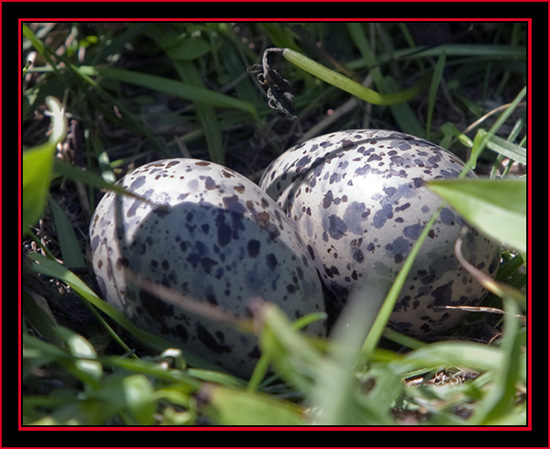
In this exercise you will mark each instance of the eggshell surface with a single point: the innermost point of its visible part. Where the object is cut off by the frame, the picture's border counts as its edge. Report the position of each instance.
(208, 233)
(359, 202)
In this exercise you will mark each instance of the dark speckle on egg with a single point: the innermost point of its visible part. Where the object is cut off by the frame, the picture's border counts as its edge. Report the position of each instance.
(337, 227)
(253, 248)
(211, 342)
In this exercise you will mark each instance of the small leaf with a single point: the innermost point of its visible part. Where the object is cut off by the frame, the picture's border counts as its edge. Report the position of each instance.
(138, 398)
(37, 167)
(84, 365)
(37, 163)
(237, 407)
(498, 208)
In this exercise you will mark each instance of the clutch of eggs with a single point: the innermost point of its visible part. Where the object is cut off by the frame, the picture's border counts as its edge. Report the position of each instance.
(345, 208)
(358, 201)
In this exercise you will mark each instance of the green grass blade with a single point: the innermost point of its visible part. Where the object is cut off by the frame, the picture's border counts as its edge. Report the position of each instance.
(403, 114)
(389, 303)
(182, 52)
(444, 354)
(172, 87)
(497, 207)
(337, 389)
(70, 249)
(83, 74)
(291, 353)
(39, 315)
(91, 179)
(482, 139)
(347, 84)
(493, 52)
(432, 94)
(505, 148)
(401, 111)
(54, 269)
(205, 112)
(499, 402)
(42, 49)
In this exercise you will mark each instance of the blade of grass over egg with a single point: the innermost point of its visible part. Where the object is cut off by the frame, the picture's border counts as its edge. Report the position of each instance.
(188, 303)
(498, 288)
(262, 365)
(497, 207)
(53, 269)
(449, 131)
(292, 355)
(336, 389)
(388, 305)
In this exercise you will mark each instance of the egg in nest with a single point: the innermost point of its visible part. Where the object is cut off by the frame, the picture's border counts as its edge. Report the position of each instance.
(208, 233)
(359, 202)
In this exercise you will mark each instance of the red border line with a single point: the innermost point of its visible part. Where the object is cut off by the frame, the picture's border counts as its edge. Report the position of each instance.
(528, 427)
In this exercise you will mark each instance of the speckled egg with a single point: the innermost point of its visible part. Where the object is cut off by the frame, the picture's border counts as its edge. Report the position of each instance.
(209, 233)
(359, 202)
